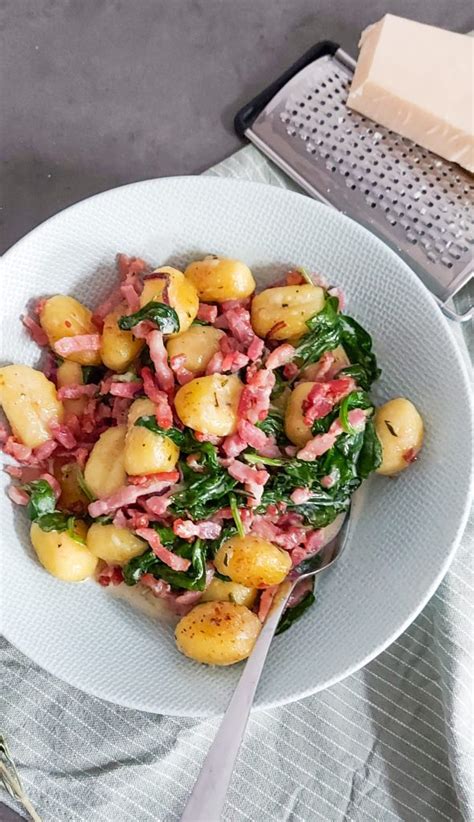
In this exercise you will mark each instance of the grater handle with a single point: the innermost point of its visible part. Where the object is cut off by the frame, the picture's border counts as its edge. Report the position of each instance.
(248, 113)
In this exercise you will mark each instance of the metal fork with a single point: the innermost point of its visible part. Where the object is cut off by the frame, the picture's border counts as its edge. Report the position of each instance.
(209, 793)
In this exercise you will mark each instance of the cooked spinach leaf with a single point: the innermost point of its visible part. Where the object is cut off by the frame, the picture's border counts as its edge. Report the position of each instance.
(370, 456)
(324, 333)
(42, 499)
(151, 424)
(164, 317)
(356, 399)
(357, 344)
(204, 496)
(292, 614)
(194, 579)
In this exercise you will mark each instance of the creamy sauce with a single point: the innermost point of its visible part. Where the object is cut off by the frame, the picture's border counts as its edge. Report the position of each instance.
(143, 600)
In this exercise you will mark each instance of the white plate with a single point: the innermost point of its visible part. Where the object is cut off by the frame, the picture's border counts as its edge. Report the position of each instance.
(402, 544)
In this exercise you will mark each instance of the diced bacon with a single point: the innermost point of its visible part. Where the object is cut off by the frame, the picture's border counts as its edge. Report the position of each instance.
(324, 396)
(410, 455)
(128, 494)
(323, 442)
(73, 345)
(63, 435)
(207, 313)
(106, 307)
(300, 495)
(44, 451)
(214, 365)
(295, 278)
(158, 588)
(270, 448)
(238, 322)
(17, 495)
(159, 356)
(265, 529)
(321, 369)
(35, 331)
(200, 437)
(157, 506)
(290, 370)
(255, 397)
(251, 435)
(130, 296)
(182, 374)
(234, 361)
(187, 529)
(182, 604)
(255, 349)
(120, 520)
(119, 411)
(266, 601)
(128, 266)
(193, 461)
(141, 330)
(52, 481)
(313, 543)
(172, 560)
(338, 292)
(229, 305)
(299, 591)
(126, 390)
(328, 480)
(110, 575)
(73, 392)
(19, 452)
(233, 445)
(252, 478)
(137, 519)
(228, 344)
(290, 450)
(164, 414)
(25, 473)
(280, 356)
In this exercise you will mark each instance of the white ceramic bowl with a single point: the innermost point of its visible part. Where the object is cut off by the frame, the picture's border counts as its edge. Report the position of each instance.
(402, 543)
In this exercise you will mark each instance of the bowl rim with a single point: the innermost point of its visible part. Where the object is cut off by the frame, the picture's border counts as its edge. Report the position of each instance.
(286, 194)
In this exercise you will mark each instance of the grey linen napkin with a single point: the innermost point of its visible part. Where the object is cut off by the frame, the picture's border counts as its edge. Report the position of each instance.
(392, 742)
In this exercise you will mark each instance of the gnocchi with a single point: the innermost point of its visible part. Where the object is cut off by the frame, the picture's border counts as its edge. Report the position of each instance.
(221, 590)
(119, 348)
(114, 545)
(281, 313)
(225, 488)
(399, 428)
(252, 561)
(105, 472)
(70, 373)
(63, 316)
(295, 427)
(145, 451)
(198, 344)
(218, 633)
(217, 279)
(209, 404)
(30, 403)
(63, 556)
(181, 294)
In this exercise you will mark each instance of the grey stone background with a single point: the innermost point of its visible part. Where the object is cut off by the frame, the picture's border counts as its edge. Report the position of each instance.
(98, 93)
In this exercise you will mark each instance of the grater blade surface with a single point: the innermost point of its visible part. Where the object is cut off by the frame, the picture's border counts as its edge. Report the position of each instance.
(420, 204)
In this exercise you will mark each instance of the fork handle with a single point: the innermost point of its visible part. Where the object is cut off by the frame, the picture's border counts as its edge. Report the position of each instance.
(210, 790)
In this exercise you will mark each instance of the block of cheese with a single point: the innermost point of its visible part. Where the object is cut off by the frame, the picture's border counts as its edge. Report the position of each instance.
(418, 81)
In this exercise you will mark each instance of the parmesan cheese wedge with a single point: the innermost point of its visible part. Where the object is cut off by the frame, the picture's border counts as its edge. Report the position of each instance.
(418, 80)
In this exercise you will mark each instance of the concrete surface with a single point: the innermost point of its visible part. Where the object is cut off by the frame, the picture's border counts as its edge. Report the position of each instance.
(98, 93)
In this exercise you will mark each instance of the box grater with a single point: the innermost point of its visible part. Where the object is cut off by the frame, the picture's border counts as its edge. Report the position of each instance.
(418, 203)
